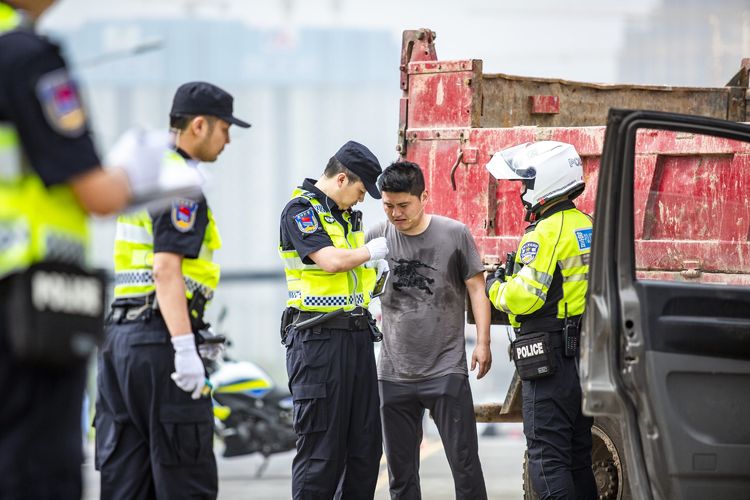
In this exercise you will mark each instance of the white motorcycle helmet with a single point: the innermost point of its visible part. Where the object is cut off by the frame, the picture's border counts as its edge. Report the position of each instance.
(549, 170)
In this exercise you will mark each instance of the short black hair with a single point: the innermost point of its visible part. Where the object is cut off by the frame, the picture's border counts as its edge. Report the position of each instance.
(335, 167)
(402, 177)
(181, 122)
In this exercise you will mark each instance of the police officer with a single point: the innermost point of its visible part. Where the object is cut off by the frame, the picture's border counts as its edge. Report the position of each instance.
(327, 329)
(544, 297)
(50, 179)
(154, 420)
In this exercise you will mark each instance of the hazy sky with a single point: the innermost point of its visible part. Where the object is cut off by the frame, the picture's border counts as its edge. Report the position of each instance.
(577, 39)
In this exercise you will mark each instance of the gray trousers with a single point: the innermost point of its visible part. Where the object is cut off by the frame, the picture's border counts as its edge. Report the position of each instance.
(402, 406)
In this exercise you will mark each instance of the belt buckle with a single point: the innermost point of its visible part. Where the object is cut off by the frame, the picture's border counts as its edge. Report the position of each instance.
(354, 314)
(135, 313)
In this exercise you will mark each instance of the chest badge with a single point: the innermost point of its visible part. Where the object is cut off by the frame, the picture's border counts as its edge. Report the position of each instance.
(306, 221)
(183, 214)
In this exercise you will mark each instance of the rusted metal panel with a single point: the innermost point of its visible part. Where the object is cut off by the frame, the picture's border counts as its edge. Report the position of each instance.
(446, 94)
(416, 45)
(673, 184)
(544, 104)
(506, 101)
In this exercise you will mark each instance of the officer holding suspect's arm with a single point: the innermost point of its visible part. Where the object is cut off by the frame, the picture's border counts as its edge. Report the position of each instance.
(328, 331)
(544, 296)
(154, 417)
(50, 180)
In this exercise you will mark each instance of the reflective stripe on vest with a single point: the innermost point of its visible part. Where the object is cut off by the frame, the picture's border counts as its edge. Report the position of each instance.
(134, 253)
(37, 223)
(309, 287)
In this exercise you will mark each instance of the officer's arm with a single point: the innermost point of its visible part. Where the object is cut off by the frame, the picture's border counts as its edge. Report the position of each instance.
(337, 260)
(102, 192)
(526, 291)
(170, 292)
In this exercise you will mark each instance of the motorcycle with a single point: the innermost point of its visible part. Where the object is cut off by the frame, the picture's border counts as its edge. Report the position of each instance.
(251, 413)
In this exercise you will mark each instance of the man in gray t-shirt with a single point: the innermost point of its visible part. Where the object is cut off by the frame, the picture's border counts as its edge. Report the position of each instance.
(433, 262)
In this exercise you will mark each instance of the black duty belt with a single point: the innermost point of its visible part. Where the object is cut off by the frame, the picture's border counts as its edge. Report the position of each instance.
(555, 338)
(133, 309)
(357, 319)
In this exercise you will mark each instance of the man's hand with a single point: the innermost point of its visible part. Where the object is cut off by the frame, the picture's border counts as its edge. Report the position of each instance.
(189, 374)
(481, 356)
(378, 248)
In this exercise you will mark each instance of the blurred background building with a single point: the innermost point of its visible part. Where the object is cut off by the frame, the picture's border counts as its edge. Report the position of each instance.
(312, 74)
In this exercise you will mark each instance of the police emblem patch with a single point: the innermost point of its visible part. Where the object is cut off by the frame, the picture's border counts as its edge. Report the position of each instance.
(306, 221)
(583, 236)
(183, 214)
(529, 251)
(58, 96)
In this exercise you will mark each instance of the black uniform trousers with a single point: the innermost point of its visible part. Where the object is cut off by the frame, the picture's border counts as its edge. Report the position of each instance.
(558, 434)
(40, 426)
(402, 409)
(333, 381)
(152, 440)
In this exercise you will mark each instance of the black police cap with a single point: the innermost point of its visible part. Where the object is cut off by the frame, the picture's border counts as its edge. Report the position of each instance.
(363, 163)
(202, 98)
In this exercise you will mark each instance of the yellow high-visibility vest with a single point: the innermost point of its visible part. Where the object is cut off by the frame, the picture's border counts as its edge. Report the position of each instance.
(561, 242)
(309, 287)
(134, 253)
(37, 223)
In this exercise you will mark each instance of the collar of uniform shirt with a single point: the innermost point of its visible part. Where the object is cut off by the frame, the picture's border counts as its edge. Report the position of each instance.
(563, 205)
(182, 153)
(309, 185)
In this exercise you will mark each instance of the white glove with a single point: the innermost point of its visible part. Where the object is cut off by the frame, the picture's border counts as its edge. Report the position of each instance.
(141, 153)
(189, 375)
(381, 266)
(378, 248)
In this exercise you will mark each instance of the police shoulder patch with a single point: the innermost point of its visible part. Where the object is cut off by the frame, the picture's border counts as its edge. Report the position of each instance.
(58, 97)
(306, 221)
(583, 237)
(529, 251)
(183, 214)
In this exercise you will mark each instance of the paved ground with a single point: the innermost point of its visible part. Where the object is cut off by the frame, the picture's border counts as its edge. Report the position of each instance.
(501, 460)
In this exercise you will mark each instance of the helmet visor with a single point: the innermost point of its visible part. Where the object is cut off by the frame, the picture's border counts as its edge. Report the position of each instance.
(508, 164)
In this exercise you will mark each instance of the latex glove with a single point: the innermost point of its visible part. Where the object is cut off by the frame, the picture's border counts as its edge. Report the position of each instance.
(141, 153)
(211, 352)
(381, 266)
(378, 248)
(189, 375)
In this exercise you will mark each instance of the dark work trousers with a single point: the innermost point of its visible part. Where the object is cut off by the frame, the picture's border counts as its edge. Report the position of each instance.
(558, 434)
(333, 381)
(449, 400)
(152, 440)
(40, 426)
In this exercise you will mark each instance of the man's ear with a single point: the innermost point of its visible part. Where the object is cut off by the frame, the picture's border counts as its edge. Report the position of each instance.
(425, 195)
(198, 126)
(341, 179)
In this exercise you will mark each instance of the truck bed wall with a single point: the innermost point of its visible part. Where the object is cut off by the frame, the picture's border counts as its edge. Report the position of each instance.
(454, 118)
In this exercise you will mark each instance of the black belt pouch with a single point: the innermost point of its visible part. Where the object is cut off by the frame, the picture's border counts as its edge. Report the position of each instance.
(533, 356)
(55, 313)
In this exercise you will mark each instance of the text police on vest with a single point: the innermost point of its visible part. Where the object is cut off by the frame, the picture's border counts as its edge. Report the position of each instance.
(67, 294)
(529, 351)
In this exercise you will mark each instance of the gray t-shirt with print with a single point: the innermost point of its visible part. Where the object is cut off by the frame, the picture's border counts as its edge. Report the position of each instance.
(423, 305)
